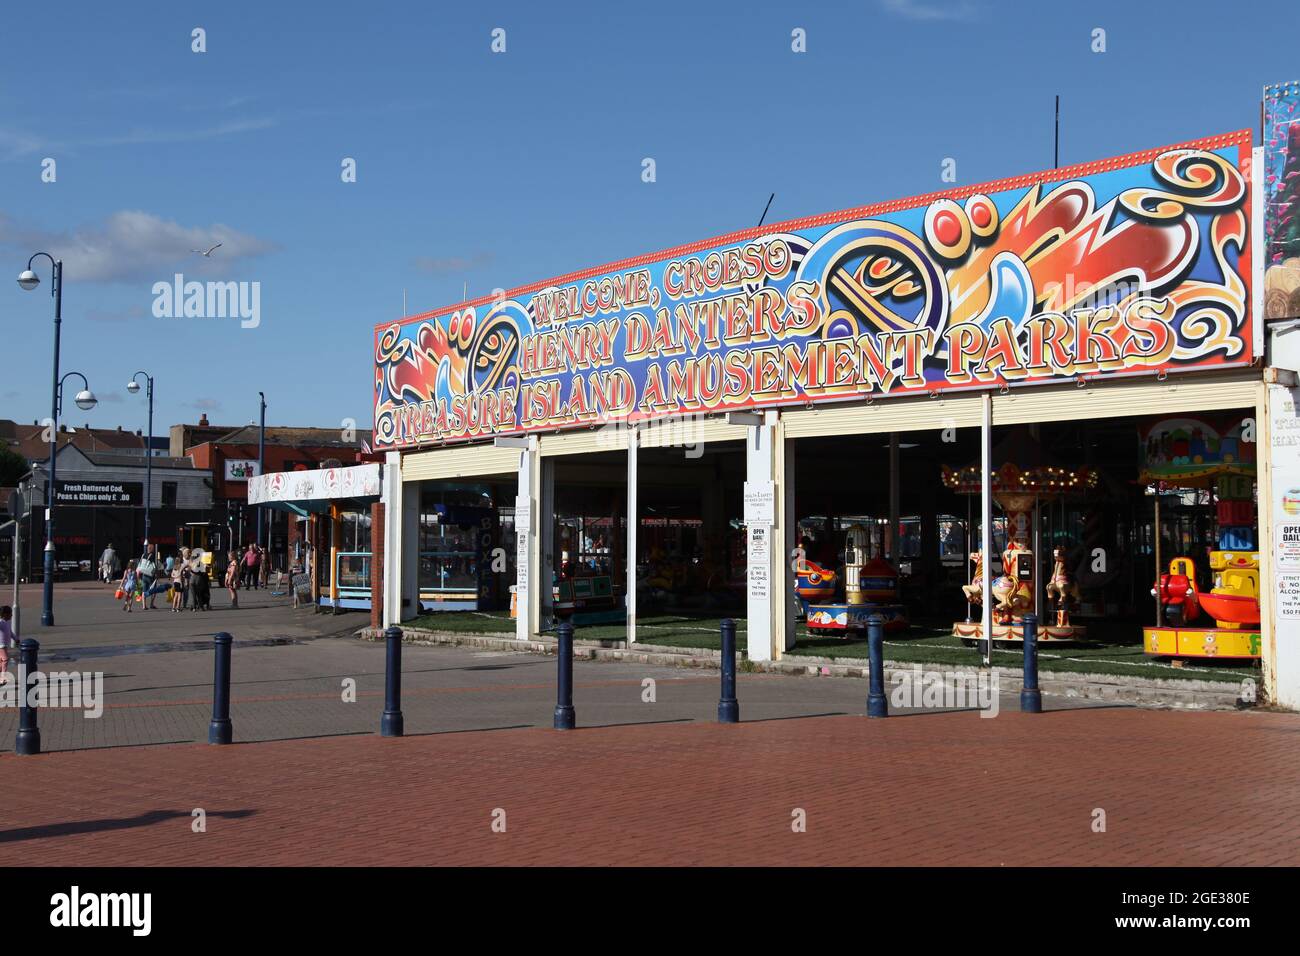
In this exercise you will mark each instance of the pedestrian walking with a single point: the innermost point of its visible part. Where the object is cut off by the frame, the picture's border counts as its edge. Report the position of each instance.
(126, 587)
(232, 578)
(108, 565)
(180, 581)
(147, 570)
(7, 641)
(263, 567)
(200, 585)
(187, 578)
(296, 575)
(250, 565)
(251, 561)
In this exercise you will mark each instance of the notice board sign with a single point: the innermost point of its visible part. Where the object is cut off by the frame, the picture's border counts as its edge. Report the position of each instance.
(99, 494)
(1284, 432)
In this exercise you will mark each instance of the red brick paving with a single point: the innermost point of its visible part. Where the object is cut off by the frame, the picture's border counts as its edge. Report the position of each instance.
(1177, 788)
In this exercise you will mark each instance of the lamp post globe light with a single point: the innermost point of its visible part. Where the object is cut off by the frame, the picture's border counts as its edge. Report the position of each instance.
(28, 279)
(133, 387)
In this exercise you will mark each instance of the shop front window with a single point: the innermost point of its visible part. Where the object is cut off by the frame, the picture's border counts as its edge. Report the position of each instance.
(457, 533)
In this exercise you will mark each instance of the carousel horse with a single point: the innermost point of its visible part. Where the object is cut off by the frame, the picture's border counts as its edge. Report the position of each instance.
(975, 590)
(1061, 588)
(1010, 593)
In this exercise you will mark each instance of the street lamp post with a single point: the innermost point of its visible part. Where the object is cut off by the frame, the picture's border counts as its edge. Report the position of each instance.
(261, 464)
(29, 280)
(85, 400)
(134, 386)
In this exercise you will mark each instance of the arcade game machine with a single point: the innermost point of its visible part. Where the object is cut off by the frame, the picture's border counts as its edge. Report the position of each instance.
(1206, 455)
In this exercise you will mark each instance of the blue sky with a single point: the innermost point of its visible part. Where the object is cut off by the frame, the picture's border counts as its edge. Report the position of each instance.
(477, 170)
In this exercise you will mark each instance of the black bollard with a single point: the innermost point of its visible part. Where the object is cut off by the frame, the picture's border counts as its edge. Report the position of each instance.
(728, 707)
(564, 716)
(392, 723)
(1031, 698)
(877, 705)
(28, 741)
(220, 730)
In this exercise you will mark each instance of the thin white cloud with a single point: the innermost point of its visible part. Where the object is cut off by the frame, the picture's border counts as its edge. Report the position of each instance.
(452, 265)
(126, 315)
(931, 11)
(132, 244)
(136, 136)
(16, 143)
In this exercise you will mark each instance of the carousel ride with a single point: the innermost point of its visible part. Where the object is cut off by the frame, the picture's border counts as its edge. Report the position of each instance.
(1021, 486)
(870, 587)
(1195, 454)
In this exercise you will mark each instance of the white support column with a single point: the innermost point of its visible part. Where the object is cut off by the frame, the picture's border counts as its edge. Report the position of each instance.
(527, 578)
(408, 596)
(785, 540)
(633, 522)
(986, 521)
(548, 560)
(1277, 417)
(768, 471)
(393, 500)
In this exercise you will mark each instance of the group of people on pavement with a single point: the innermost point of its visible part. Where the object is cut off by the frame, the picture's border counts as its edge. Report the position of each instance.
(186, 577)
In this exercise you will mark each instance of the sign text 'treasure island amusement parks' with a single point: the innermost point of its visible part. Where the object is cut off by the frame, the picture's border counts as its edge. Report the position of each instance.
(1132, 265)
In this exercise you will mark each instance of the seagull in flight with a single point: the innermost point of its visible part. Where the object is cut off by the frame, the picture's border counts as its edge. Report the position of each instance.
(207, 254)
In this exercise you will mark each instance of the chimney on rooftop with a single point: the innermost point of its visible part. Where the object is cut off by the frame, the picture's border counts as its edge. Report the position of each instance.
(119, 427)
(203, 419)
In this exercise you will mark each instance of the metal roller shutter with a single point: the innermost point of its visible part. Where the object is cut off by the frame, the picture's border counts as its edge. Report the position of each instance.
(585, 441)
(464, 462)
(901, 415)
(1177, 394)
(671, 434)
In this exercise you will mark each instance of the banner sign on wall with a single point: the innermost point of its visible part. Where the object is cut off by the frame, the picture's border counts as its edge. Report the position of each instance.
(1132, 265)
(240, 469)
(320, 485)
(99, 493)
(1282, 200)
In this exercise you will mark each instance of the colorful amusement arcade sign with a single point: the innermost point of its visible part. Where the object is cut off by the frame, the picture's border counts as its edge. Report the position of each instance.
(1132, 265)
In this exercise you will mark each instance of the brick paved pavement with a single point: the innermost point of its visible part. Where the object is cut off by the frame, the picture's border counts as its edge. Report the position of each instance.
(943, 788)
(294, 690)
(659, 784)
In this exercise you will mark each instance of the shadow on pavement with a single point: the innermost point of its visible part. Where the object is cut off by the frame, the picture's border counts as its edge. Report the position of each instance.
(112, 823)
(472, 730)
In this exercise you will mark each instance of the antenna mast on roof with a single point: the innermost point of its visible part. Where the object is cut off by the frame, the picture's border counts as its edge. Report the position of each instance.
(1056, 143)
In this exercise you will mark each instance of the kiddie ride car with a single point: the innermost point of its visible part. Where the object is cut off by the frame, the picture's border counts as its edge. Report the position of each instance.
(1233, 603)
(870, 587)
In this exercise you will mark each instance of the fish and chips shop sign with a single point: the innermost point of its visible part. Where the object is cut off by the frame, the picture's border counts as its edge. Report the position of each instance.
(1127, 266)
(124, 494)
